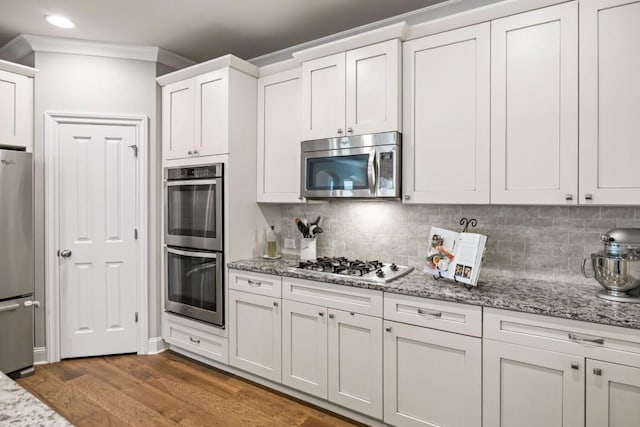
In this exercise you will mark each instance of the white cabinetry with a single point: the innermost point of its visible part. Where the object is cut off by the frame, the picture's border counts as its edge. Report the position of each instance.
(279, 137)
(431, 377)
(534, 372)
(255, 333)
(197, 113)
(352, 93)
(16, 109)
(446, 117)
(196, 337)
(609, 101)
(534, 106)
(333, 350)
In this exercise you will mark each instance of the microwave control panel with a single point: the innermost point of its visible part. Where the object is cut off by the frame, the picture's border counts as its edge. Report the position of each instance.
(386, 169)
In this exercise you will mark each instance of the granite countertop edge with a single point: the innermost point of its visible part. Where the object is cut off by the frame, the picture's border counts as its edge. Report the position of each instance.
(565, 300)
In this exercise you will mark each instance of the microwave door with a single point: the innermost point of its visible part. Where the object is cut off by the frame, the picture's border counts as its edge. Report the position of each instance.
(339, 173)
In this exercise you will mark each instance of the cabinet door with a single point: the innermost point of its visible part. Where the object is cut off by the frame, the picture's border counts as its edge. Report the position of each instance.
(432, 378)
(609, 101)
(279, 136)
(446, 114)
(534, 107)
(373, 88)
(255, 334)
(613, 395)
(527, 387)
(211, 91)
(304, 347)
(355, 361)
(177, 119)
(323, 97)
(16, 110)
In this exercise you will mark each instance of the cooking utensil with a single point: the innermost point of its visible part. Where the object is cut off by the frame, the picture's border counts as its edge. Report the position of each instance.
(302, 227)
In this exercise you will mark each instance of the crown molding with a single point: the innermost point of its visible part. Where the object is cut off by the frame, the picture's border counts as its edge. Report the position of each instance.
(24, 44)
(225, 61)
(17, 68)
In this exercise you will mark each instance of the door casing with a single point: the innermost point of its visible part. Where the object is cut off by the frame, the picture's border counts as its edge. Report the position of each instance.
(53, 121)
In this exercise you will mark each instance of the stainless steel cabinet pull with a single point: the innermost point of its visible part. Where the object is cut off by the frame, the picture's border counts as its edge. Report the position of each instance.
(429, 313)
(407, 197)
(65, 253)
(331, 316)
(352, 313)
(588, 196)
(35, 304)
(339, 131)
(190, 152)
(388, 329)
(578, 338)
(597, 371)
(254, 283)
(350, 130)
(9, 307)
(575, 365)
(275, 303)
(568, 197)
(321, 314)
(194, 340)
(195, 152)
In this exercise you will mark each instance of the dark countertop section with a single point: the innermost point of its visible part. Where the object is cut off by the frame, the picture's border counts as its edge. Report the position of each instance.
(577, 301)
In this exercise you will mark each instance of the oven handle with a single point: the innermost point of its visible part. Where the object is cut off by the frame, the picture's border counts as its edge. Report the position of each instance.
(192, 182)
(371, 171)
(192, 254)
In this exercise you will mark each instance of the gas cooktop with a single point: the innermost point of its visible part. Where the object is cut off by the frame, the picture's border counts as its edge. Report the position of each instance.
(370, 271)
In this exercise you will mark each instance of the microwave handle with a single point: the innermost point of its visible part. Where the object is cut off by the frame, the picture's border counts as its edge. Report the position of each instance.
(192, 253)
(371, 170)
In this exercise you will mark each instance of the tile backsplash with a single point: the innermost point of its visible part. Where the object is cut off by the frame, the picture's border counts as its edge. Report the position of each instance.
(551, 239)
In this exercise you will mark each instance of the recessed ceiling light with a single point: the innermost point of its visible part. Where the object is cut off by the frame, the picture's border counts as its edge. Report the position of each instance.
(60, 21)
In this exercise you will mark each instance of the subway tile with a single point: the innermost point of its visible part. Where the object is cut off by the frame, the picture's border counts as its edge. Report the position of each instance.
(569, 224)
(510, 246)
(600, 225)
(584, 212)
(553, 211)
(618, 212)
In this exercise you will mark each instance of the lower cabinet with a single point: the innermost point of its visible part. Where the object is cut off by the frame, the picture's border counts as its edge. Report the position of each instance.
(432, 378)
(613, 395)
(529, 387)
(255, 334)
(196, 337)
(334, 355)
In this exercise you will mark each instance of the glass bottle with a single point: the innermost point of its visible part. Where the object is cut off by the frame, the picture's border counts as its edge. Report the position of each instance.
(272, 249)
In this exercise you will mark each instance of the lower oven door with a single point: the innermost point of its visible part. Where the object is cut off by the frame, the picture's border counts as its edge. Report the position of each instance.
(194, 284)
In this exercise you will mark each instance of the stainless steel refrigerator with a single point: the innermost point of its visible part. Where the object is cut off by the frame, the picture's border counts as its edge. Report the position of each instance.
(16, 261)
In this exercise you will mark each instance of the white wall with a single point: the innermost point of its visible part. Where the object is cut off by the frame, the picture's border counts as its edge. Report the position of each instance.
(91, 84)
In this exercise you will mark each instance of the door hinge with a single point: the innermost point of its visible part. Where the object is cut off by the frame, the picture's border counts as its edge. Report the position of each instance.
(134, 147)
(135, 233)
(136, 317)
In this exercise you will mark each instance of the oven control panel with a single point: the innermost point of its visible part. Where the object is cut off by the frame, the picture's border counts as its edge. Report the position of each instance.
(196, 172)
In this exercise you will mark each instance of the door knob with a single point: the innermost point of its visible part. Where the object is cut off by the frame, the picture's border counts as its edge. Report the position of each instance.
(65, 253)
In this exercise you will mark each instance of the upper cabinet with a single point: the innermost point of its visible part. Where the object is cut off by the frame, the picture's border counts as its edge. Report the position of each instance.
(609, 101)
(279, 136)
(16, 108)
(534, 106)
(446, 117)
(352, 93)
(195, 116)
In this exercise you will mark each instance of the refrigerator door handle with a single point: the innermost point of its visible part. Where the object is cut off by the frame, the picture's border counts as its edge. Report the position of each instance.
(10, 307)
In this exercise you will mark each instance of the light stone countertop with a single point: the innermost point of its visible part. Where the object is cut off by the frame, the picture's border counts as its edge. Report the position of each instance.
(19, 408)
(577, 301)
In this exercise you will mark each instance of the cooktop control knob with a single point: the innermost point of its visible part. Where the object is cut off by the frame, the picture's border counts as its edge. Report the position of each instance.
(380, 273)
(393, 267)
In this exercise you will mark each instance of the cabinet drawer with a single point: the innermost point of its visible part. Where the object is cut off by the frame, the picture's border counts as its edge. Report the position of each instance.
(347, 298)
(256, 283)
(442, 315)
(196, 340)
(592, 340)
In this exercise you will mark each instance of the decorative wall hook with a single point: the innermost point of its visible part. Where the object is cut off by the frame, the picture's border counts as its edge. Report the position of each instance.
(465, 222)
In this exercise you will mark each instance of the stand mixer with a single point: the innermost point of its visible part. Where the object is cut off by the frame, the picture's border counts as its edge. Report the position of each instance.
(617, 266)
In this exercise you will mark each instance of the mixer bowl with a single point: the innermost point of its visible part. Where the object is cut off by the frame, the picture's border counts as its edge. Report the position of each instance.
(617, 274)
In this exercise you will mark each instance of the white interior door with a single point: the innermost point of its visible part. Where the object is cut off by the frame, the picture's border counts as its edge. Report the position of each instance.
(97, 219)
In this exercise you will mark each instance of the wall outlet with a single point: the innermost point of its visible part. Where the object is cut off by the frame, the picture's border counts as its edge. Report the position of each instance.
(289, 243)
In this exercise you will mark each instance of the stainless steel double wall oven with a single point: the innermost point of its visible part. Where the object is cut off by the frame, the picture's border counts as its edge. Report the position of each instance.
(194, 242)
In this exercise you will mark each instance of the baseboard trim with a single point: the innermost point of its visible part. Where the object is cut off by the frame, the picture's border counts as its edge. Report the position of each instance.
(40, 356)
(156, 345)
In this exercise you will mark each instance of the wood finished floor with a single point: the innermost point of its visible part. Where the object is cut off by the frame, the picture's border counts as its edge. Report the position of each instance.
(164, 389)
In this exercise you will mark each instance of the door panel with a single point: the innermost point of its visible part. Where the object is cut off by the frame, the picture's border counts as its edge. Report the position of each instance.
(211, 121)
(98, 285)
(613, 395)
(534, 100)
(177, 119)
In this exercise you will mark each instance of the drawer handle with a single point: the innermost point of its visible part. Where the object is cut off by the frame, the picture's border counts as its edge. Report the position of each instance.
(193, 340)
(578, 338)
(429, 313)
(10, 307)
(254, 283)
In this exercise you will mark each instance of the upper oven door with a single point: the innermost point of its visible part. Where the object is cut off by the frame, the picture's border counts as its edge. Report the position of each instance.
(339, 173)
(194, 214)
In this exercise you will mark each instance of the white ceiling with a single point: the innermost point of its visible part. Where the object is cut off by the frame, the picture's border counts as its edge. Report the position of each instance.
(199, 29)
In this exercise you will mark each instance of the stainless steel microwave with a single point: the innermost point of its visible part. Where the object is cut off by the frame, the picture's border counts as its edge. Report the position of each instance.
(361, 166)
